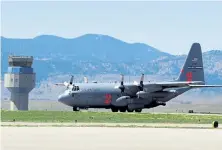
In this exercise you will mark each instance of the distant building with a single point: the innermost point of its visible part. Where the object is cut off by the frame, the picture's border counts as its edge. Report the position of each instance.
(19, 80)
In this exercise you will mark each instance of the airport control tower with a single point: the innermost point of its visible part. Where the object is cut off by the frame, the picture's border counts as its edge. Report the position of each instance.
(20, 80)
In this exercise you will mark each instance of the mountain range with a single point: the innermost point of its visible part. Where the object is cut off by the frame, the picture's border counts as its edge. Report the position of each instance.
(93, 54)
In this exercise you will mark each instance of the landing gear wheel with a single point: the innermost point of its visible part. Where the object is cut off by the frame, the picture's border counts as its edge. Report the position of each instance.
(75, 108)
(138, 110)
(129, 110)
(122, 109)
(114, 109)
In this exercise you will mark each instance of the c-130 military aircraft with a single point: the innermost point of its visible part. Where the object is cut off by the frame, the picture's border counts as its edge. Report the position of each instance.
(136, 96)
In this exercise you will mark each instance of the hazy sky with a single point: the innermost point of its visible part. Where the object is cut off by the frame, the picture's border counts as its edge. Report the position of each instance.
(169, 26)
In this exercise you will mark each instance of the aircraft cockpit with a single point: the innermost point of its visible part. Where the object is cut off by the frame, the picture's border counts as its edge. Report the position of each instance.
(75, 88)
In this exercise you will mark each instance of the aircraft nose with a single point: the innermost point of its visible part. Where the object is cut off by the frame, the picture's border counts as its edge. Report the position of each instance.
(60, 97)
(63, 98)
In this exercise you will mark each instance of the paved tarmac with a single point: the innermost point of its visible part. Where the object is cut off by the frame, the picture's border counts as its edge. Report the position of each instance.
(109, 138)
(73, 124)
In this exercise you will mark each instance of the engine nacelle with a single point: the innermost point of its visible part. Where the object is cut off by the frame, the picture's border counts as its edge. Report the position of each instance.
(122, 101)
(122, 98)
(142, 94)
(161, 94)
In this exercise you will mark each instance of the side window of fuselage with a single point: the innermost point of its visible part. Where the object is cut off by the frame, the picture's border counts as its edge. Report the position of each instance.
(75, 88)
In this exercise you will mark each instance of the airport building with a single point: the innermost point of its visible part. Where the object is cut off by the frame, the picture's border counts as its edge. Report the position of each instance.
(19, 80)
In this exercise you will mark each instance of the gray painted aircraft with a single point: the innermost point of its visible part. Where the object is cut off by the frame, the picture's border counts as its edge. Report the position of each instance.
(136, 96)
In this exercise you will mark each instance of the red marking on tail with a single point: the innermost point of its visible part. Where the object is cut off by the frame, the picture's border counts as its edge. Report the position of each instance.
(189, 76)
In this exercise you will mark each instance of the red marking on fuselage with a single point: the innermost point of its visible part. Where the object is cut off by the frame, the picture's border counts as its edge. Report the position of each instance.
(182, 71)
(108, 98)
(189, 76)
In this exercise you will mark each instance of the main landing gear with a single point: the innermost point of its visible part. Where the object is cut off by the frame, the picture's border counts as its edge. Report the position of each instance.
(124, 109)
(114, 109)
(138, 110)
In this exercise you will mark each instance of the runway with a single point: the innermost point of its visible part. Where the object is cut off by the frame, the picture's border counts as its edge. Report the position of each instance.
(109, 138)
(133, 125)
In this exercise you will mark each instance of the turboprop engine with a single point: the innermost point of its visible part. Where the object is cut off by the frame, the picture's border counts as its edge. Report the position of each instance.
(142, 94)
(122, 101)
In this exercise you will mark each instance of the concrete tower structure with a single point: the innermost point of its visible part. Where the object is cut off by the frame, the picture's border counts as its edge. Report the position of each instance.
(20, 80)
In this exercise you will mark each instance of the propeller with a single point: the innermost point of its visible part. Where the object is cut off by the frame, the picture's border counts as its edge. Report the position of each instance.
(71, 80)
(67, 84)
(140, 86)
(70, 84)
(122, 87)
(85, 79)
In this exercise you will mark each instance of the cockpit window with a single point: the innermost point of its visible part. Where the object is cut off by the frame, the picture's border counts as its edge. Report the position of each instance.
(75, 88)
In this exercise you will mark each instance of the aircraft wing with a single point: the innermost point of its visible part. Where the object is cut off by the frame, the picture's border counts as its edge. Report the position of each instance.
(132, 89)
(160, 86)
(136, 88)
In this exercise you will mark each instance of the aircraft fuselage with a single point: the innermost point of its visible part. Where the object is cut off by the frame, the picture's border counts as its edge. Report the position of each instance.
(105, 95)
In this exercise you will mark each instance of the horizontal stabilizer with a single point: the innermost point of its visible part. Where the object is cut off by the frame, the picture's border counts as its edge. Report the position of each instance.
(202, 86)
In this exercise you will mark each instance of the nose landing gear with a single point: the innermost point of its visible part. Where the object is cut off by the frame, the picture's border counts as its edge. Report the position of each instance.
(75, 108)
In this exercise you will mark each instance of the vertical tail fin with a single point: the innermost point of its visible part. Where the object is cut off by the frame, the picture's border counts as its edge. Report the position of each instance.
(193, 67)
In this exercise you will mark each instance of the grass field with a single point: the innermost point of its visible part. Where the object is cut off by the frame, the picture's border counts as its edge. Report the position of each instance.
(105, 117)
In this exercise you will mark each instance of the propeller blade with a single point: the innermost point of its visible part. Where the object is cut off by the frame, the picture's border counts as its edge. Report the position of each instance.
(141, 83)
(135, 83)
(66, 83)
(71, 80)
(121, 87)
(142, 79)
(85, 80)
(122, 79)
